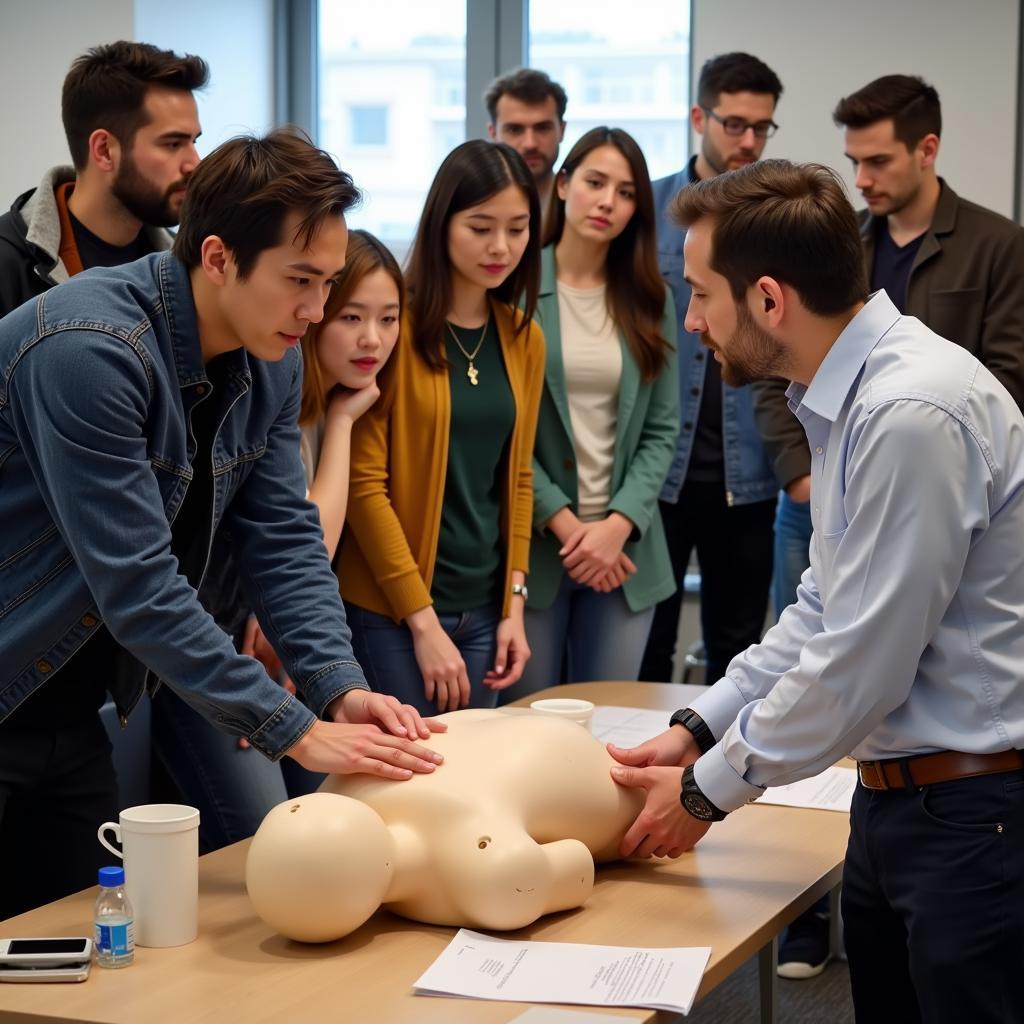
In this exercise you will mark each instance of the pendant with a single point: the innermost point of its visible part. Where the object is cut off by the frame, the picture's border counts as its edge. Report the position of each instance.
(473, 374)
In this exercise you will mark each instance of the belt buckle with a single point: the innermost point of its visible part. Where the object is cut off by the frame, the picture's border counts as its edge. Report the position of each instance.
(871, 775)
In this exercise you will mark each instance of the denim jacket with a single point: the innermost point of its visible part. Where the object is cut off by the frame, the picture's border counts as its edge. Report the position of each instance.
(98, 379)
(748, 470)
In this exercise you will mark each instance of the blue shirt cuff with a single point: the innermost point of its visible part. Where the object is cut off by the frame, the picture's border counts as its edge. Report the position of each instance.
(719, 706)
(720, 783)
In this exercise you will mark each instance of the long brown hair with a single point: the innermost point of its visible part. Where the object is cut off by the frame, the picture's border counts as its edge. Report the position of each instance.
(468, 176)
(364, 255)
(635, 289)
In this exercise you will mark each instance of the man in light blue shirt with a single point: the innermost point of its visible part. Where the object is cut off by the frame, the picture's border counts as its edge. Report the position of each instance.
(905, 647)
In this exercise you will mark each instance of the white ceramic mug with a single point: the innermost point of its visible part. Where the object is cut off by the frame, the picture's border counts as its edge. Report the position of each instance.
(579, 711)
(160, 844)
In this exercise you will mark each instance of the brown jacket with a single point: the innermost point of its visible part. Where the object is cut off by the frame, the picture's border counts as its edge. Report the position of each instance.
(966, 284)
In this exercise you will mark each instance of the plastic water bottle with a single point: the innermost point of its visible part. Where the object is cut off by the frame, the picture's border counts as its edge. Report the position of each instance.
(114, 920)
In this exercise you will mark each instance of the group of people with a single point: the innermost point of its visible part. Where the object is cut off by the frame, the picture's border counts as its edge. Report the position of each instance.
(306, 500)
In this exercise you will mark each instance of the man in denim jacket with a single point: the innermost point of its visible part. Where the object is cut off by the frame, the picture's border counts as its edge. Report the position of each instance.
(140, 408)
(719, 496)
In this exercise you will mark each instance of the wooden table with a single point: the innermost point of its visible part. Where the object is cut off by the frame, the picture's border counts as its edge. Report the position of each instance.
(751, 875)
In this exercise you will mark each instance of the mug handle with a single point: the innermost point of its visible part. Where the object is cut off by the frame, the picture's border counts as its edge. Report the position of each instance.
(113, 825)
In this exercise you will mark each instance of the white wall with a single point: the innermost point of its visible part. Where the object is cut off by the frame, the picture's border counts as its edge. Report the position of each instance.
(40, 38)
(38, 41)
(825, 50)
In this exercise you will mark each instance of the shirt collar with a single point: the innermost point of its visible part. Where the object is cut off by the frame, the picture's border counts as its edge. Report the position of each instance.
(839, 370)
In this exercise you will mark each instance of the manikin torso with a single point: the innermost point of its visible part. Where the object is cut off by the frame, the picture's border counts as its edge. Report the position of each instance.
(507, 829)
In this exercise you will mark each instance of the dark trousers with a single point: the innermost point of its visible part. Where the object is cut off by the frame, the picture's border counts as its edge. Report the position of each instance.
(734, 549)
(57, 786)
(933, 902)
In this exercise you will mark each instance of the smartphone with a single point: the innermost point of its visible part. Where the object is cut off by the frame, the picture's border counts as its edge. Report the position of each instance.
(71, 972)
(47, 952)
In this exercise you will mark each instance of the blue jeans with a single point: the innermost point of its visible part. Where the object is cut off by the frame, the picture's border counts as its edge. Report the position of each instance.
(386, 653)
(593, 636)
(792, 547)
(233, 788)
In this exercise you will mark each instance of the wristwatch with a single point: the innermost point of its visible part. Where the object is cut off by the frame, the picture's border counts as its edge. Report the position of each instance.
(520, 588)
(696, 725)
(695, 802)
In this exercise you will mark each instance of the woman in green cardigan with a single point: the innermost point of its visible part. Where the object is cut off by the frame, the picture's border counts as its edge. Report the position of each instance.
(608, 422)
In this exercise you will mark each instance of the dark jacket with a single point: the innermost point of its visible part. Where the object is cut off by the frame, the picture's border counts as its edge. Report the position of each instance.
(966, 284)
(30, 242)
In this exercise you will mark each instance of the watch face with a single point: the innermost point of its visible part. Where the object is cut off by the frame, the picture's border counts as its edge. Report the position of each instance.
(698, 807)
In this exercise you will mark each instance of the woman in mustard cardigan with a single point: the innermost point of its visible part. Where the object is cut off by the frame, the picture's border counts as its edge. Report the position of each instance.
(436, 548)
(608, 422)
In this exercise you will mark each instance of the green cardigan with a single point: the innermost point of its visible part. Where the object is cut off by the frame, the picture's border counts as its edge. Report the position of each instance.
(646, 433)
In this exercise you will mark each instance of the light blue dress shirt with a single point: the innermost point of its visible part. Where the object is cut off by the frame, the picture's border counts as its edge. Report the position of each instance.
(907, 635)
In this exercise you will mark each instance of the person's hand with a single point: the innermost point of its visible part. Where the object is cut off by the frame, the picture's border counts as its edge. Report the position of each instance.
(594, 548)
(664, 828)
(364, 707)
(257, 646)
(444, 672)
(675, 747)
(513, 651)
(346, 749)
(799, 489)
(350, 403)
(615, 576)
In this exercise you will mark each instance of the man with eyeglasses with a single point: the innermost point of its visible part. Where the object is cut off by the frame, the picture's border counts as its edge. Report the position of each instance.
(719, 497)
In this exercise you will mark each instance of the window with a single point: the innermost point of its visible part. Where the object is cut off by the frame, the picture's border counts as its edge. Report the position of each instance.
(632, 74)
(392, 102)
(369, 126)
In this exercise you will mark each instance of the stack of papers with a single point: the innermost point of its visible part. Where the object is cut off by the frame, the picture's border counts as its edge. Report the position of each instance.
(478, 966)
(832, 790)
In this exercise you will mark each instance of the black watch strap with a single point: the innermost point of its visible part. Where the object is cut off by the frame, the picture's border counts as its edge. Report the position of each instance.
(691, 721)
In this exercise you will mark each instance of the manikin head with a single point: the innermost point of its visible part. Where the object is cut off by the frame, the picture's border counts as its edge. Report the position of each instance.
(131, 124)
(772, 253)
(736, 98)
(527, 111)
(892, 128)
(359, 330)
(264, 238)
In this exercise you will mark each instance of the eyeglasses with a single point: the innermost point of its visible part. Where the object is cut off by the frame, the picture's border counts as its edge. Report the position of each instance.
(736, 126)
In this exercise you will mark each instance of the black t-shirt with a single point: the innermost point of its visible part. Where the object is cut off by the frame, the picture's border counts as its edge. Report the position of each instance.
(94, 252)
(891, 269)
(707, 458)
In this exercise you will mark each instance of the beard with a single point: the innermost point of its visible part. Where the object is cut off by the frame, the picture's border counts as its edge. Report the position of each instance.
(142, 199)
(753, 353)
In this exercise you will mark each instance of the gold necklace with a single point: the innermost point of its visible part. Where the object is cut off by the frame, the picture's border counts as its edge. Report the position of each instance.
(471, 372)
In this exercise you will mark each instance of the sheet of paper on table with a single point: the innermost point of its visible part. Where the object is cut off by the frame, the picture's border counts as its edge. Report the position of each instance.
(627, 727)
(479, 966)
(832, 790)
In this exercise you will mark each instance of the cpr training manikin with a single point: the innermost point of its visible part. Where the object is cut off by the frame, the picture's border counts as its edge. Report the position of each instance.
(507, 829)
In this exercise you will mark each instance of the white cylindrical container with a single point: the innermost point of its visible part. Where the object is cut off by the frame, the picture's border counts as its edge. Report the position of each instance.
(579, 711)
(161, 862)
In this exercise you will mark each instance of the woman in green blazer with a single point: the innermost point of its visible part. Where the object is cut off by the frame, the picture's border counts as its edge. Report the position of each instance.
(608, 422)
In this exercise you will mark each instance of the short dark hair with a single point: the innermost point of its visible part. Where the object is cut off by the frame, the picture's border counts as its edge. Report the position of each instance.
(789, 221)
(106, 88)
(468, 176)
(909, 100)
(527, 85)
(735, 72)
(244, 190)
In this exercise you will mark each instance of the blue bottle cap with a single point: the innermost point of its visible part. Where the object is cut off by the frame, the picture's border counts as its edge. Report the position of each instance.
(111, 878)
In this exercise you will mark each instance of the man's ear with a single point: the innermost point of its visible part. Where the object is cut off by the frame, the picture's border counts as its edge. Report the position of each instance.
(769, 302)
(928, 147)
(104, 150)
(698, 121)
(217, 261)
(492, 131)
